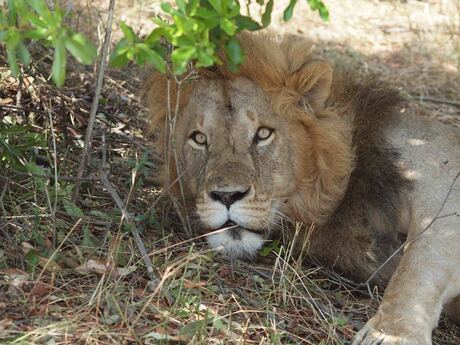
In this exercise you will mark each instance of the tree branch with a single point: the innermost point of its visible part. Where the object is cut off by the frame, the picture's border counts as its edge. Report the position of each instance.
(94, 105)
(155, 281)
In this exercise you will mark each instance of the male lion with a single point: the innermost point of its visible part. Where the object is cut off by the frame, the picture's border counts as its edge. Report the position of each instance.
(288, 137)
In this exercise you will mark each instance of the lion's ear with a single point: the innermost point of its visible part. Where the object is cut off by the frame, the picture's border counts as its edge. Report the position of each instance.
(314, 83)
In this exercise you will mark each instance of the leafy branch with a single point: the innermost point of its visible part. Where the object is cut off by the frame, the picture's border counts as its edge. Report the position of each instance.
(194, 32)
(33, 20)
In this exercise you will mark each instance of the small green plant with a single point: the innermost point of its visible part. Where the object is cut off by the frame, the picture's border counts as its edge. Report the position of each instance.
(18, 145)
(269, 247)
(197, 30)
(33, 20)
(194, 31)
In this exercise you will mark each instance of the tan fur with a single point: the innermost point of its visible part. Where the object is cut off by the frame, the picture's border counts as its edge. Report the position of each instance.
(289, 77)
(428, 277)
(327, 162)
(324, 131)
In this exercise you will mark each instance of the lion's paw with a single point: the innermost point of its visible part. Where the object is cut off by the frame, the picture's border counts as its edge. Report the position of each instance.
(371, 336)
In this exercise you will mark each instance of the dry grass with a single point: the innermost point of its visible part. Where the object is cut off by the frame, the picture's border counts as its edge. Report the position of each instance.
(93, 288)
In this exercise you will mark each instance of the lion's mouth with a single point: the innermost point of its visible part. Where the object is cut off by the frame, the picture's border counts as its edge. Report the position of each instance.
(228, 225)
(234, 229)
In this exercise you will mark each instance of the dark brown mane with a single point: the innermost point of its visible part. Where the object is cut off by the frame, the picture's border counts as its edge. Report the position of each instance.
(375, 210)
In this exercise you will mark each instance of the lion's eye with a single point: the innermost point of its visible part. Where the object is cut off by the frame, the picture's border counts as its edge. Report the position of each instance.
(199, 138)
(263, 133)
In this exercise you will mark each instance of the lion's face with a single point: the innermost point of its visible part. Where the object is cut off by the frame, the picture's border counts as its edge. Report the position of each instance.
(238, 160)
(256, 146)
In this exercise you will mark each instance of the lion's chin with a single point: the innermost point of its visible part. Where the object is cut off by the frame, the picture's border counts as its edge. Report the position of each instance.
(236, 242)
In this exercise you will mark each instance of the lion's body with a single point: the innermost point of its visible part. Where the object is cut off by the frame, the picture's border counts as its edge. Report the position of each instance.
(428, 276)
(288, 138)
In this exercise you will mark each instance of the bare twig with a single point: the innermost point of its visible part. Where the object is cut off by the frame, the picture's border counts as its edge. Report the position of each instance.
(19, 92)
(94, 105)
(14, 107)
(155, 281)
(171, 119)
(435, 100)
(56, 185)
(57, 177)
(413, 238)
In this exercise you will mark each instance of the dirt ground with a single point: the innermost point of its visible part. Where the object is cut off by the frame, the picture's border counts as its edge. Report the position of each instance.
(91, 286)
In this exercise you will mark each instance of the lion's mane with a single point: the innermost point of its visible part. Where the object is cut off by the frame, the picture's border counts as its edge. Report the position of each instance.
(353, 192)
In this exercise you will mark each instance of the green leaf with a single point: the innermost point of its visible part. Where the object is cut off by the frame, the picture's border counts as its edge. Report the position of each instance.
(192, 328)
(342, 321)
(192, 6)
(180, 57)
(161, 23)
(12, 63)
(287, 14)
(118, 57)
(269, 247)
(99, 214)
(3, 19)
(32, 259)
(318, 5)
(36, 34)
(154, 36)
(128, 32)
(89, 240)
(72, 209)
(210, 23)
(217, 5)
(3, 36)
(218, 324)
(234, 53)
(59, 62)
(185, 25)
(206, 14)
(267, 16)
(324, 13)
(23, 53)
(12, 12)
(15, 129)
(130, 52)
(246, 23)
(181, 5)
(37, 21)
(153, 57)
(13, 37)
(166, 7)
(81, 49)
(233, 8)
(34, 169)
(41, 8)
(204, 59)
(119, 60)
(228, 26)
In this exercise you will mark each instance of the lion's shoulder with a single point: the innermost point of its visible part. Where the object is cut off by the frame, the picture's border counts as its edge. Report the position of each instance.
(430, 157)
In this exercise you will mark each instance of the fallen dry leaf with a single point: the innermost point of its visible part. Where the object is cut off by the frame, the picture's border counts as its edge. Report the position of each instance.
(5, 323)
(41, 289)
(45, 263)
(191, 285)
(15, 277)
(103, 267)
(95, 266)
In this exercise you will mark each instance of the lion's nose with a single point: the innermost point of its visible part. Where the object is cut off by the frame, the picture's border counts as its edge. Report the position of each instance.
(228, 198)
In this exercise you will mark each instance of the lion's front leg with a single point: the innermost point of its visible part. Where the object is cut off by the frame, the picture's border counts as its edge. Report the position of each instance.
(425, 280)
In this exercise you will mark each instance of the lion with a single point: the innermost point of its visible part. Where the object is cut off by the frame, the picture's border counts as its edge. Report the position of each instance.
(292, 138)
